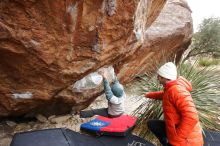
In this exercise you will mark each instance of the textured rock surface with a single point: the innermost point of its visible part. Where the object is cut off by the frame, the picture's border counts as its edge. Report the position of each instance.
(165, 39)
(47, 46)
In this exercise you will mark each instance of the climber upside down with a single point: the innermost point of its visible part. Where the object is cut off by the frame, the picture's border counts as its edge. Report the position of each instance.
(111, 120)
(115, 96)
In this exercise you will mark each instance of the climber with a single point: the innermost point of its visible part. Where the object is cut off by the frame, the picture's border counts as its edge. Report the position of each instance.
(115, 96)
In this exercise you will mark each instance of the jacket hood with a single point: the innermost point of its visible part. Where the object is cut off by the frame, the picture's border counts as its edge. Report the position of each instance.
(180, 81)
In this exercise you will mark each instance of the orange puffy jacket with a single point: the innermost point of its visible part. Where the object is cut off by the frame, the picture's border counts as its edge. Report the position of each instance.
(180, 114)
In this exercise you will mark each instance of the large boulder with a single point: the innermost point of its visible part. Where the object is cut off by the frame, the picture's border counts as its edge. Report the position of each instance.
(165, 40)
(50, 51)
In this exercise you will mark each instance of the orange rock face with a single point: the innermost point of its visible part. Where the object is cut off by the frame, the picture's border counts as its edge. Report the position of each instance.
(47, 46)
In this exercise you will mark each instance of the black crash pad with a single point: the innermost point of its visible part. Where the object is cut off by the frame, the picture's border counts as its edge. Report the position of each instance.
(211, 138)
(66, 137)
(53, 137)
(129, 140)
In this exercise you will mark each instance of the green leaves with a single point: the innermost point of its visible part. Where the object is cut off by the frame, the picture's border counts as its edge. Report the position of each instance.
(207, 40)
(205, 93)
(150, 109)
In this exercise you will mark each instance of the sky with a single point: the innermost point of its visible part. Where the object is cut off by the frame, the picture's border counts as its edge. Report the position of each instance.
(203, 9)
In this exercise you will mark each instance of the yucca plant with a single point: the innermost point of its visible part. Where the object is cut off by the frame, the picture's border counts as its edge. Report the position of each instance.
(205, 93)
(150, 109)
(207, 62)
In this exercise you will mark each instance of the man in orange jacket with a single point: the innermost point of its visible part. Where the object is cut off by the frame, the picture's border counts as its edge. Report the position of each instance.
(181, 125)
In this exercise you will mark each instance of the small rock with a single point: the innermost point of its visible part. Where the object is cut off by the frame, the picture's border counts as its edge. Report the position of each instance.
(22, 127)
(60, 119)
(41, 118)
(51, 117)
(32, 123)
(11, 123)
